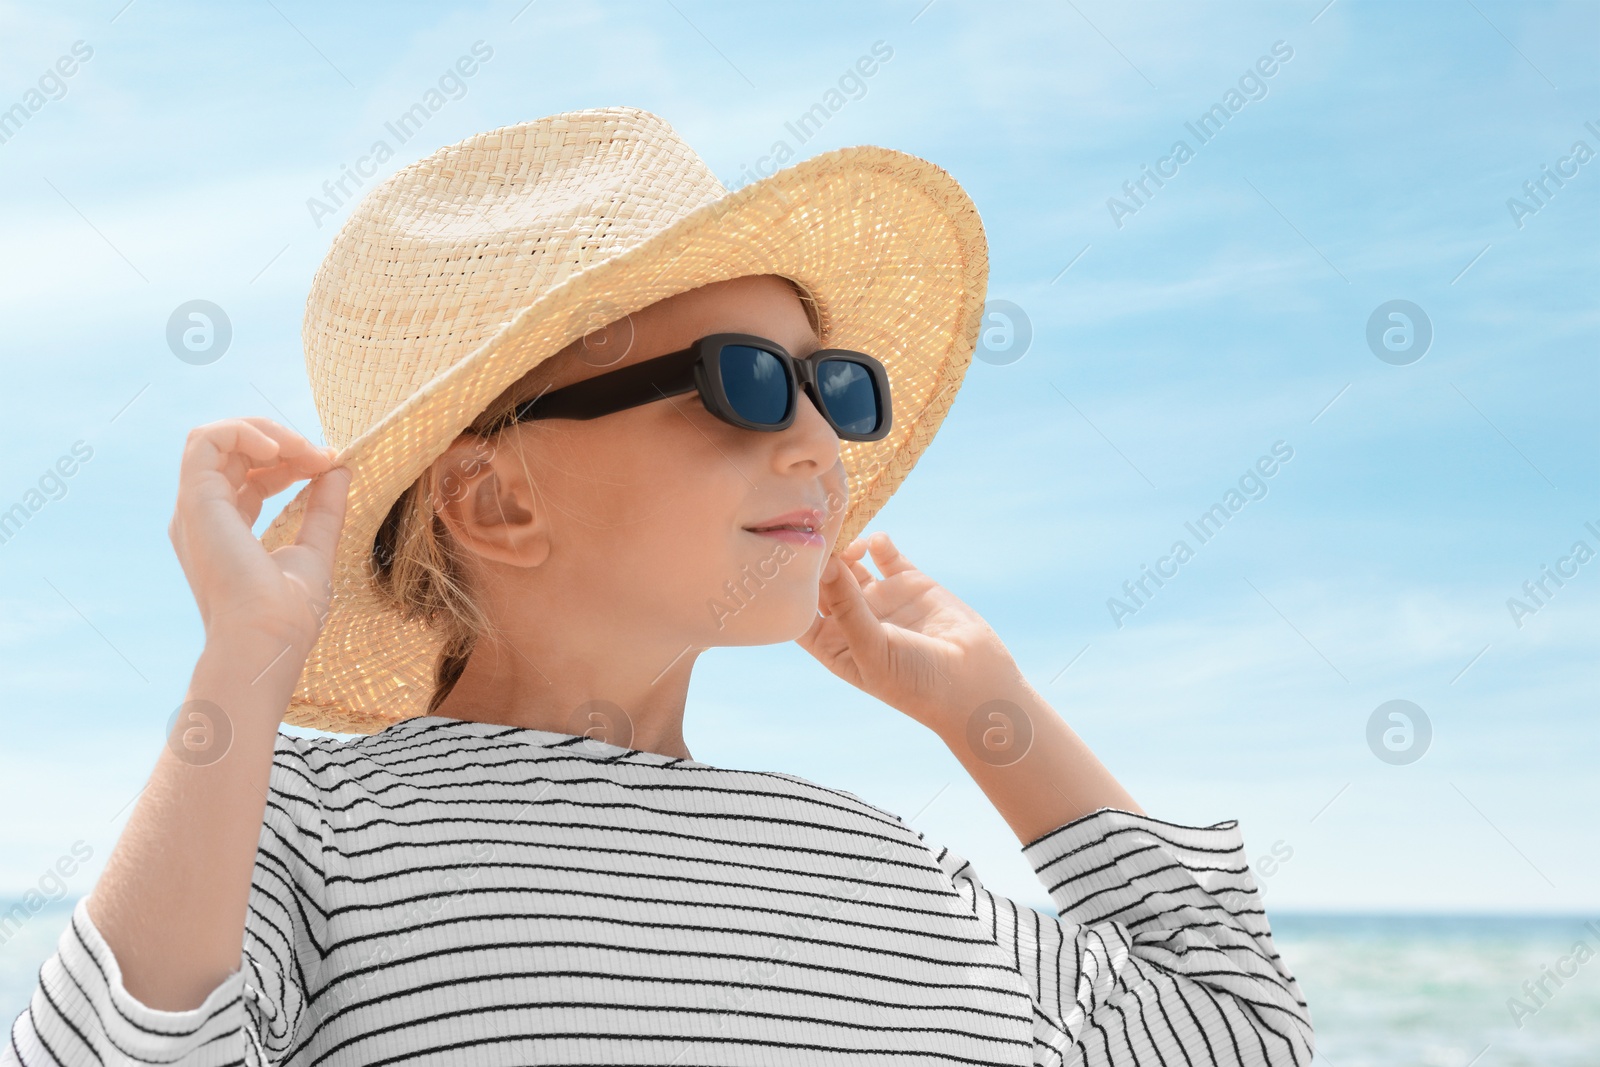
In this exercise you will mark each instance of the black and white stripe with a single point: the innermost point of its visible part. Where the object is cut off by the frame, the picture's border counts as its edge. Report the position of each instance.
(453, 892)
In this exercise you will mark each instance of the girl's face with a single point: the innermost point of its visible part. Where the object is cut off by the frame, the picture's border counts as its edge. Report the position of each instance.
(632, 526)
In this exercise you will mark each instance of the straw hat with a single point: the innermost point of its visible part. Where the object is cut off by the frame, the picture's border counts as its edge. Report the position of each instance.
(459, 273)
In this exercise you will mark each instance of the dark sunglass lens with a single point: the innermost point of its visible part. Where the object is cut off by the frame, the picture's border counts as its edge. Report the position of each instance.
(755, 383)
(850, 394)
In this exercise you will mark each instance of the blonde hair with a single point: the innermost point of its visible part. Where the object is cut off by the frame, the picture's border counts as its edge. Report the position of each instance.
(419, 567)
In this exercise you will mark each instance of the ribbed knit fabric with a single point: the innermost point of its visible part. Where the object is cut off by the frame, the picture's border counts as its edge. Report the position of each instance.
(454, 892)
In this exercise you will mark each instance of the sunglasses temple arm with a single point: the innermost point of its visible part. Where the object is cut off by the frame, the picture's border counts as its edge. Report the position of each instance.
(618, 390)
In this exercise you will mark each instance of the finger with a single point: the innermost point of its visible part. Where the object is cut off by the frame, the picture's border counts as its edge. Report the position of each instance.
(813, 634)
(324, 515)
(249, 435)
(850, 610)
(263, 482)
(830, 653)
(233, 447)
(890, 560)
(291, 445)
(822, 591)
(230, 447)
(852, 554)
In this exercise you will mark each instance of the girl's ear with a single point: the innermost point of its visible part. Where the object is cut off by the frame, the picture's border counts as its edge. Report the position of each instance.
(483, 494)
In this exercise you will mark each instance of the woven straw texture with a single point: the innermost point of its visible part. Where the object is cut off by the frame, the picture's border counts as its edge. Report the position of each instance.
(459, 273)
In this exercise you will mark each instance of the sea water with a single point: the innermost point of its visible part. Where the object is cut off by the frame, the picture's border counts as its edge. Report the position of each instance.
(1447, 991)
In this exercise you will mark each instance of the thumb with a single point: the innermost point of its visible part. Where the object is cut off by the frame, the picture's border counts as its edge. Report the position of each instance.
(849, 608)
(324, 514)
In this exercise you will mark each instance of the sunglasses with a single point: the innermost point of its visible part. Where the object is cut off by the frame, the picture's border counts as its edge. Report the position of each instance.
(742, 379)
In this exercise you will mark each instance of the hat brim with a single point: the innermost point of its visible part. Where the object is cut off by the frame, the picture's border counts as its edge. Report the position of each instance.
(888, 244)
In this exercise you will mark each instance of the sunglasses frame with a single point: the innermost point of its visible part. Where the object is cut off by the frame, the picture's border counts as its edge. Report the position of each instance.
(693, 369)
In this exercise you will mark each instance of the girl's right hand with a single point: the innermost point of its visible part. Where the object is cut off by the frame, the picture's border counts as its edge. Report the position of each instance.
(229, 468)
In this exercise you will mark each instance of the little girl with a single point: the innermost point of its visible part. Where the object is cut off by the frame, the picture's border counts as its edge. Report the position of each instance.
(526, 864)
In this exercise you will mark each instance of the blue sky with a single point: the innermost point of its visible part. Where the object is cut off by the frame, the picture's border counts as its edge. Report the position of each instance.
(1226, 315)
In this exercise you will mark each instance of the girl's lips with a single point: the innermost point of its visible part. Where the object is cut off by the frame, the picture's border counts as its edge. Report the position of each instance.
(794, 537)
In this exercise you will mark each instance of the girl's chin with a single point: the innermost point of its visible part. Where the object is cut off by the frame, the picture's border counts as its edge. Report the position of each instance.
(758, 622)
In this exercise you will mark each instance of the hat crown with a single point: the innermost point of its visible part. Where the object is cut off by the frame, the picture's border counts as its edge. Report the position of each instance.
(520, 209)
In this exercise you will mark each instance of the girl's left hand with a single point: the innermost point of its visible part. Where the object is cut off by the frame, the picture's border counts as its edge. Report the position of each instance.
(906, 640)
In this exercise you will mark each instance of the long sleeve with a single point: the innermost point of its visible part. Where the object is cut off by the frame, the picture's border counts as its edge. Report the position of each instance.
(81, 1014)
(1161, 955)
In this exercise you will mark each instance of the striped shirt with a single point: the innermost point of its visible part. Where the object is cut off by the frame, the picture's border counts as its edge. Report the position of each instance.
(456, 892)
